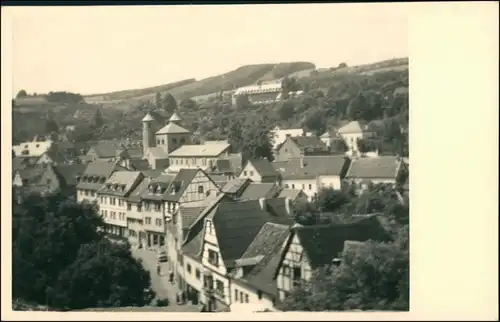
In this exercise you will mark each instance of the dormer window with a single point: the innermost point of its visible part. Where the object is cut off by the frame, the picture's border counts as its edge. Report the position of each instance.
(151, 188)
(108, 186)
(158, 189)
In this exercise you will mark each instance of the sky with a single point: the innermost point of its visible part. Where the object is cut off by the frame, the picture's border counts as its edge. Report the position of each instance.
(92, 50)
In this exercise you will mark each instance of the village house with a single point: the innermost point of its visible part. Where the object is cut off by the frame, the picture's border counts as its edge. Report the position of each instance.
(27, 180)
(111, 198)
(305, 249)
(137, 235)
(311, 173)
(228, 166)
(224, 243)
(300, 146)
(252, 281)
(94, 176)
(34, 148)
(61, 178)
(203, 156)
(257, 190)
(381, 169)
(354, 131)
(294, 195)
(279, 135)
(260, 170)
(172, 136)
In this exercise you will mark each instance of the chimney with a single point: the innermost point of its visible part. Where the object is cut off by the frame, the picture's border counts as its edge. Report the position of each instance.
(288, 206)
(302, 163)
(262, 202)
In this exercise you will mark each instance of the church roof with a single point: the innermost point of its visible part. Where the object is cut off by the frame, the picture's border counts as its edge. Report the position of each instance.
(175, 118)
(148, 118)
(172, 128)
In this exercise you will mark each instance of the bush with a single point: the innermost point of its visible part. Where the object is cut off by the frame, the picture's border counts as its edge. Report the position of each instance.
(162, 302)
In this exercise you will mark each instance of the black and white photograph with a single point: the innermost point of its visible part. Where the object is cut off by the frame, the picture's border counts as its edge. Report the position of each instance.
(211, 158)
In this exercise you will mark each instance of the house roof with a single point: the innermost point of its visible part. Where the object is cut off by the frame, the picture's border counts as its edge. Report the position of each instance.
(179, 184)
(314, 166)
(70, 172)
(254, 191)
(231, 163)
(236, 225)
(135, 194)
(200, 150)
(148, 118)
(158, 152)
(289, 193)
(172, 128)
(99, 169)
(376, 167)
(269, 245)
(263, 167)
(31, 174)
(309, 144)
(236, 186)
(189, 215)
(219, 179)
(353, 127)
(120, 183)
(314, 238)
(152, 173)
(280, 135)
(135, 152)
(139, 164)
(157, 187)
(174, 118)
(107, 150)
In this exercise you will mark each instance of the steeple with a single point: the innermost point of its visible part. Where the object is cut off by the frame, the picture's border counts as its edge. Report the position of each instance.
(174, 118)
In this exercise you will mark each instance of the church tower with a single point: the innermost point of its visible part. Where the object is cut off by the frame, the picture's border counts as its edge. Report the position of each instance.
(172, 136)
(148, 138)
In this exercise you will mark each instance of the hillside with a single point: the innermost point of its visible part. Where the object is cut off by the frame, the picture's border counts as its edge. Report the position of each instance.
(242, 76)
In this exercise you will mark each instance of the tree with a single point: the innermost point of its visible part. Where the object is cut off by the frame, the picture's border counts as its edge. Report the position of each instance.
(97, 120)
(158, 101)
(329, 199)
(169, 103)
(342, 65)
(188, 104)
(22, 93)
(315, 121)
(52, 239)
(374, 276)
(286, 110)
(289, 84)
(252, 137)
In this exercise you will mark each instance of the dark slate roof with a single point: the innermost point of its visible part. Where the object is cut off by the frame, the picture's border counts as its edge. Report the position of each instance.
(314, 166)
(135, 153)
(309, 144)
(189, 215)
(179, 184)
(152, 173)
(264, 167)
(135, 195)
(268, 243)
(323, 243)
(70, 172)
(107, 150)
(32, 174)
(157, 187)
(255, 191)
(98, 169)
(139, 164)
(236, 186)
(120, 183)
(236, 225)
(219, 179)
(289, 193)
(376, 167)
(229, 164)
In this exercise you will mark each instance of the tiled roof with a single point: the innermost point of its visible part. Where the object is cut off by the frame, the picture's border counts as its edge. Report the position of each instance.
(152, 173)
(135, 153)
(264, 167)
(135, 195)
(158, 152)
(172, 128)
(158, 187)
(106, 150)
(231, 163)
(289, 193)
(376, 167)
(236, 225)
(31, 174)
(280, 135)
(206, 150)
(314, 166)
(175, 118)
(139, 164)
(236, 186)
(310, 144)
(219, 179)
(179, 184)
(70, 172)
(269, 244)
(148, 118)
(314, 238)
(255, 191)
(189, 215)
(120, 183)
(95, 172)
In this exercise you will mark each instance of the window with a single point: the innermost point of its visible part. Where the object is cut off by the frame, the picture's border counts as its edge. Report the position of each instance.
(102, 199)
(139, 207)
(293, 186)
(182, 140)
(86, 192)
(174, 140)
(197, 273)
(236, 295)
(182, 160)
(245, 173)
(246, 298)
(219, 287)
(188, 267)
(158, 207)
(200, 189)
(38, 145)
(49, 181)
(287, 186)
(251, 173)
(259, 294)
(286, 270)
(158, 222)
(303, 187)
(310, 186)
(148, 220)
(129, 206)
(241, 297)
(213, 258)
(297, 276)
